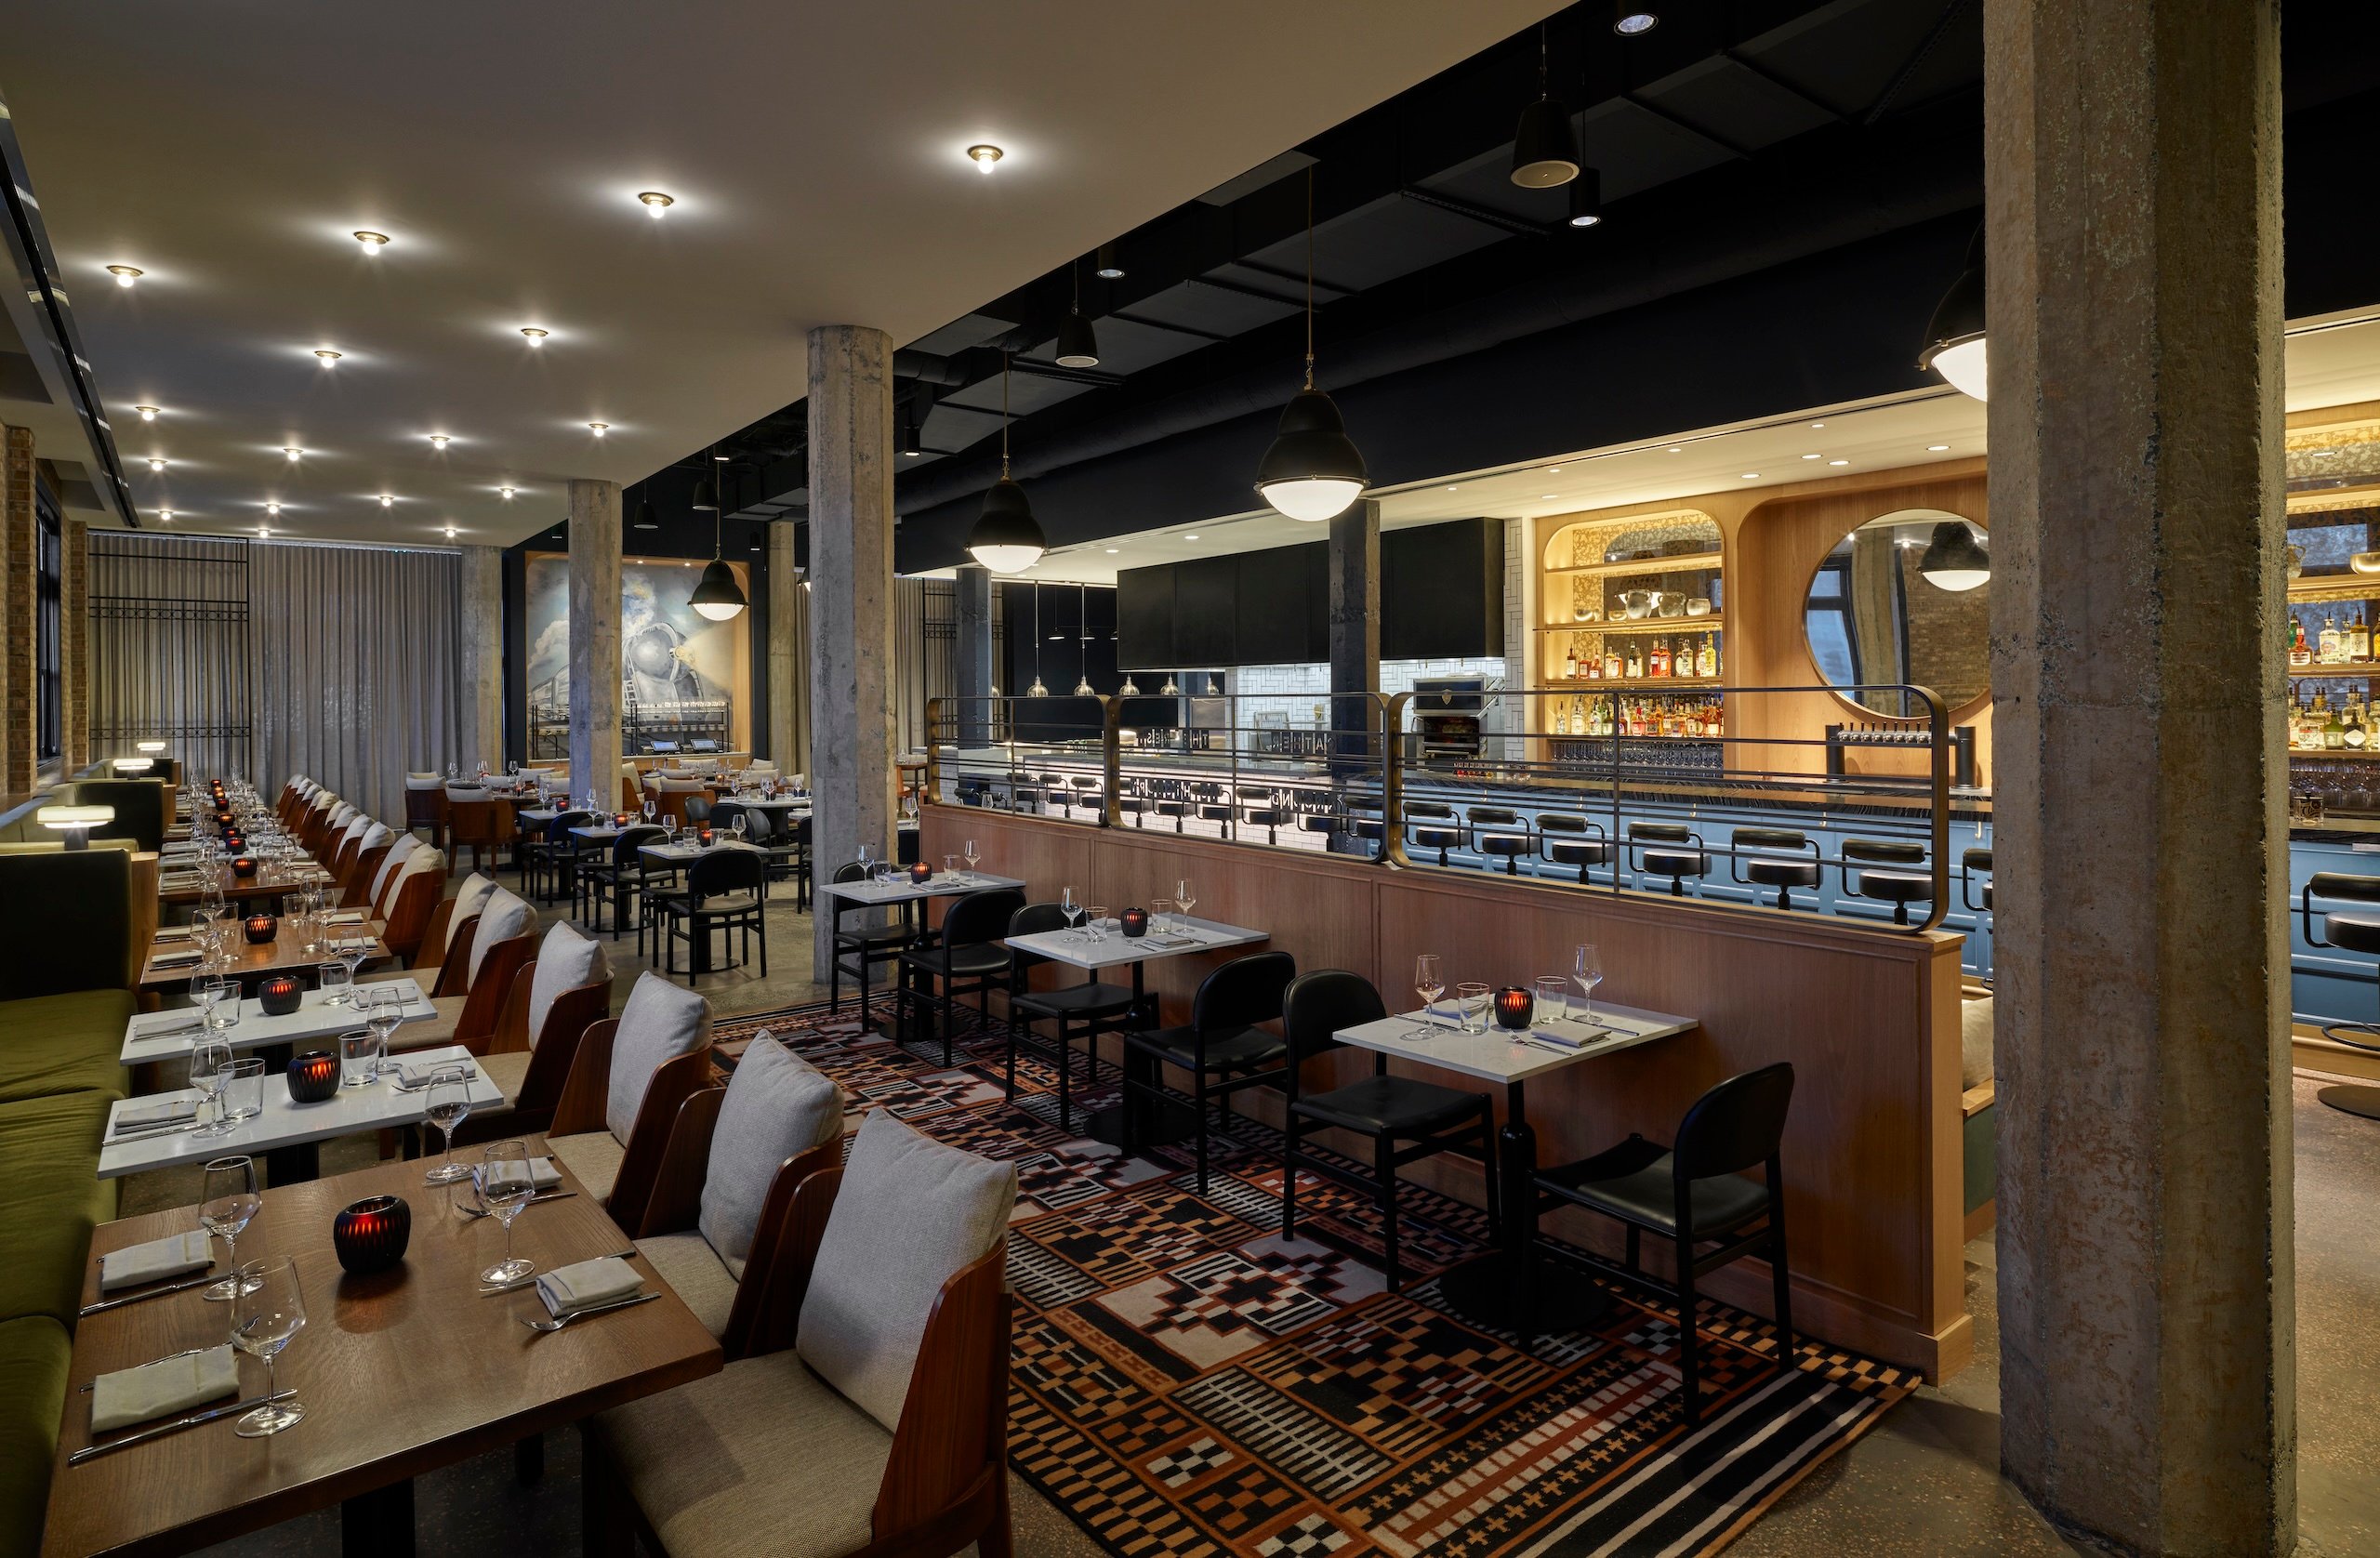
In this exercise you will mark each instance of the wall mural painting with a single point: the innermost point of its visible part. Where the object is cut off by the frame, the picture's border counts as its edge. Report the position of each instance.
(683, 679)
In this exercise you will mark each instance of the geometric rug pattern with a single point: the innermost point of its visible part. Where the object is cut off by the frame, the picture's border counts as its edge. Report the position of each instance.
(1188, 1383)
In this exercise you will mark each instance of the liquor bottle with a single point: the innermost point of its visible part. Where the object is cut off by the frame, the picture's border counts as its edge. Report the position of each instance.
(2358, 639)
(1706, 659)
(1592, 666)
(1611, 666)
(2333, 733)
(2298, 653)
(1659, 663)
(1570, 660)
(1561, 719)
(1636, 662)
(1716, 725)
(2326, 648)
(2354, 735)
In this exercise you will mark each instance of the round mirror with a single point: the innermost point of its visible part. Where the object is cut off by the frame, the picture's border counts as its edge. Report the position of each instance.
(1905, 598)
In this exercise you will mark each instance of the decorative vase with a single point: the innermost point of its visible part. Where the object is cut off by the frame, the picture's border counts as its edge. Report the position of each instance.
(281, 995)
(313, 1076)
(371, 1234)
(259, 928)
(1515, 1006)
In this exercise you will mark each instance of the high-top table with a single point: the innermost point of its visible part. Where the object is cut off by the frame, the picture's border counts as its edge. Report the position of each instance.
(401, 1373)
(1504, 1290)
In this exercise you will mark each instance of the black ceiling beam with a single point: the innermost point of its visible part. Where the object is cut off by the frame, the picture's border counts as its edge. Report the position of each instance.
(1486, 216)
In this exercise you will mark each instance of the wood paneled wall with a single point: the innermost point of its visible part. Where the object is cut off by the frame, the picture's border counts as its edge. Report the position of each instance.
(1869, 1019)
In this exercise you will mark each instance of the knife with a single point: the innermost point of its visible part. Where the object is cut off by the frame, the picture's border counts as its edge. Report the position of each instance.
(199, 1280)
(87, 1451)
(149, 1132)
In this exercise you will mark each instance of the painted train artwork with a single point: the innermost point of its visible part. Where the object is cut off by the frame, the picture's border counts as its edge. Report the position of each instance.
(682, 679)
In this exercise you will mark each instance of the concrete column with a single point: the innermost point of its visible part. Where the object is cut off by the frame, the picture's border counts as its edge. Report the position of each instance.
(595, 640)
(2146, 1284)
(789, 655)
(974, 657)
(481, 668)
(850, 599)
(74, 647)
(1355, 642)
(19, 543)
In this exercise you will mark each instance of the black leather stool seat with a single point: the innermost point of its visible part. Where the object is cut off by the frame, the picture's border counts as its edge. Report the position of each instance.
(1503, 843)
(1633, 1181)
(1677, 863)
(1075, 1000)
(2357, 933)
(874, 935)
(1389, 1106)
(1782, 873)
(1179, 1047)
(1577, 851)
(1895, 887)
(1436, 837)
(1366, 827)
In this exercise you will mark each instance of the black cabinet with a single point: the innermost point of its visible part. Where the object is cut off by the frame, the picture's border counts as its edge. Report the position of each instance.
(1442, 591)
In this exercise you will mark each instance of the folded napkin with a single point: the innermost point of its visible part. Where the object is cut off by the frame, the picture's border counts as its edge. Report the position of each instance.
(1441, 1017)
(1168, 942)
(357, 944)
(181, 879)
(589, 1285)
(344, 916)
(131, 1395)
(418, 1074)
(177, 958)
(543, 1175)
(175, 1255)
(175, 933)
(173, 1025)
(166, 1110)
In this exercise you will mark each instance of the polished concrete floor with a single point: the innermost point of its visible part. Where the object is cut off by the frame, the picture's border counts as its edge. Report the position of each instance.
(1925, 1483)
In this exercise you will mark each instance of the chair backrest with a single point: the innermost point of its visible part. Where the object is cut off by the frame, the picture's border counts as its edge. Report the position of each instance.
(717, 871)
(1318, 1005)
(1770, 838)
(558, 830)
(1736, 1125)
(1244, 991)
(1660, 833)
(1976, 860)
(633, 837)
(1885, 851)
(695, 807)
(1032, 919)
(2339, 884)
(982, 915)
(1560, 822)
(854, 872)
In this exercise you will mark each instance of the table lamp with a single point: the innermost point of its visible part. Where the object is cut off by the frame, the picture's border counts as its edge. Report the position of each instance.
(134, 765)
(151, 747)
(75, 822)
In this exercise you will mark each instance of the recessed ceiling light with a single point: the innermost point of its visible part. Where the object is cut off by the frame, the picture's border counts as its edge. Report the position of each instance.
(148, 413)
(156, 462)
(451, 532)
(1812, 456)
(439, 440)
(264, 530)
(1751, 476)
(1451, 488)
(1838, 462)
(372, 243)
(1635, 18)
(292, 451)
(536, 336)
(598, 429)
(1113, 551)
(1677, 448)
(271, 508)
(508, 492)
(1547, 496)
(1552, 469)
(1191, 537)
(387, 500)
(166, 515)
(1938, 448)
(125, 275)
(655, 202)
(326, 355)
(1818, 424)
(985, 157)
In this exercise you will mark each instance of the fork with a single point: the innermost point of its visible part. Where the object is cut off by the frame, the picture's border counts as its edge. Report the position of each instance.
(547, 1327)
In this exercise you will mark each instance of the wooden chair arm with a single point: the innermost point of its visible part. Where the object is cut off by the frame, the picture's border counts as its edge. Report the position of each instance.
(416, 910)
(509, 1032)
(549, 1062)
(588, 1087)
(676, 1203)
(455, 968)
(483, 1006)
(431, 950)
(954, 1421)
(754, 1296)
(673, 1082)
(359, 878)
(793, 1256)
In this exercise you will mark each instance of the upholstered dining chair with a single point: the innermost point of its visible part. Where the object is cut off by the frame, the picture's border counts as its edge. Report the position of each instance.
(545, 1006)
(479, 820)
(611, 1124)
(1222, 1047)
(426, 806)
(869, 1414)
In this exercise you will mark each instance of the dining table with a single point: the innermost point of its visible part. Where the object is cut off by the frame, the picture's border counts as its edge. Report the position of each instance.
(153, 1037)
(401, 1372)
(184, 882)
(168, 967)
(905, 893)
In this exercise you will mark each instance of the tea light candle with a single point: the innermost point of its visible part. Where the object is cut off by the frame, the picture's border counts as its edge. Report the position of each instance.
(371, 1234)
(1515, 1006)
(313, 1076)
(281, 995)
(243, 867)
(921, 873)
(260, 927)
(705, 837)
(1136, 923)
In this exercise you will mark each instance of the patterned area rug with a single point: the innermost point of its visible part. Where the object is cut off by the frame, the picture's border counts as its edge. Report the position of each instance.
(1189, 1382)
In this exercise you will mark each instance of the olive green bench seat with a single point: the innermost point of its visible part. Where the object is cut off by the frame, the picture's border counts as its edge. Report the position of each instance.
(64, 1044)
(49, 1152)
(33, 1354)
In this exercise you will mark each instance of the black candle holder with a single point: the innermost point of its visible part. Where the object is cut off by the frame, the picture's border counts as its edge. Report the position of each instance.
(260, 927)
(243, 867)
(313, 1076)
(281, 995)
(1515, 1006)
(371, 1235)
(1136, 923)
(922, 872)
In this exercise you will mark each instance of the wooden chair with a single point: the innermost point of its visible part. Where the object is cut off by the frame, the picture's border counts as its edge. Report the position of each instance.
(580, 1112)
(416, 904)
(531, 1068)
(483, 823)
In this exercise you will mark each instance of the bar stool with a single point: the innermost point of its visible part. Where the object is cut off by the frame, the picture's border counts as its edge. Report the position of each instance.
(1371, 826)
(1973, 861)
(1175, 805)
(1215, 805)
(1432, 825)
(1325, 823)
(1859, 860)
(1089, 795)
(1269, 815)
(2348, 933)
(1564, 839)
(1130, 800)
(1676, 865)
(1499, 833)
(1765, 870)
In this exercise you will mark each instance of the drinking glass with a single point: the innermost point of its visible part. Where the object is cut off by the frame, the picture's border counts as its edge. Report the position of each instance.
(384, 1009)
(505, 1185)
(1160, 914)
(1073, 911)
(867, 858)
(228, 1203)
(648, 809)
(1553, 998)
(201, 925)
(669, 829)
(1429, 983)
(1586, 969)
(1473, 996)
(359, 1057)
(268, 1314)
(1096, 926)
(244, 1089)
(951, 866)
(968, 851)
(336, 983)
(450, 1106)
(1185, 895)
(351, 952)
(210, 1062)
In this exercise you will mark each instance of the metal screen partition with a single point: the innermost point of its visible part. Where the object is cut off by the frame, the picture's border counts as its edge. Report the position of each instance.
(169, 649)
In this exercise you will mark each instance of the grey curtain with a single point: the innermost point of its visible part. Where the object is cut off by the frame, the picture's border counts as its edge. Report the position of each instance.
(355, 662)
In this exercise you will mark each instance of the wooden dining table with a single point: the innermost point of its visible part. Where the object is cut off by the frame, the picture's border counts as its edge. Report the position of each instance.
(177, 887)
(401, 1373)
(251, 961)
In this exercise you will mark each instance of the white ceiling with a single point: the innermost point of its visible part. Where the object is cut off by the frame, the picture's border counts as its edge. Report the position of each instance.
(816, 155)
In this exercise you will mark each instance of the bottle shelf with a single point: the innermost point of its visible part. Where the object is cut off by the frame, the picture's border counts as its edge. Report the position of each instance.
(2354, 754)
(1631, 684)
(2333, 587)
(2363, 668)
(1643, 624)
(1686, 562)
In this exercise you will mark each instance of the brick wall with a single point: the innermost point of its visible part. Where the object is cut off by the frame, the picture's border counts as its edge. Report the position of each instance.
(19, 557)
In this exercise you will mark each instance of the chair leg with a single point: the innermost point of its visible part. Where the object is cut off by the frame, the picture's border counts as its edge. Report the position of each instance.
(1011, 1084)
(1199, 1089)
(1289, 1177)
(949, 1019)
(1688, 1334)
(1633, 1251)
(608, 1515)
(1782, 1283)
(1385, 1170)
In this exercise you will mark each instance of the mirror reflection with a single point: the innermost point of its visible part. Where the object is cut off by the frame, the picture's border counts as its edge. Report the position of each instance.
(1905, 598)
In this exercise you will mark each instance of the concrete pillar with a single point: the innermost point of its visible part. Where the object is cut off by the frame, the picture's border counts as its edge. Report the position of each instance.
(20, 553)
(1355, 643)
(850, 600)
(2146, 1273)
(481, 667)
(74, 647)
(788, 731)
(974, 657)
(595, 752)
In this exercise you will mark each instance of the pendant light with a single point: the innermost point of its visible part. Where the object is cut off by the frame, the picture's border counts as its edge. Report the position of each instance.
(1110, 267)
(1954, 336)
(1172, 688)
(1545, 152)
(1006, 539)
(1083, 689)
(1078, 342)
(1954, 560)
(1037, 690)
(1312, 471)
(1130, 689)
(1633, 18)
(1586, 198)
(645, 517)
(717, 595)
(910, 448)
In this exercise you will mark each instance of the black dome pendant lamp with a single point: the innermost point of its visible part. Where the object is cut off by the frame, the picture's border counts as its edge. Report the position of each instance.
(1078, 342)
(1952, 558)
(1312, 471)
(1007, 539)
(1954, 337)
(717, 596)
(1545, 152)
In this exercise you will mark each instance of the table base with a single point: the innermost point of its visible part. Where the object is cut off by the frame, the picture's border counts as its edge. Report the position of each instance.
(379, 1523)
(293, 1164)
(1162, 1124)
(1482, 1291)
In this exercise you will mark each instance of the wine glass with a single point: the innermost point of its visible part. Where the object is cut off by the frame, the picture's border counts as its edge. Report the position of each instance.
(504, 1183)
(669, 829)
(383, 1011)
(648, 809)
(736, 827)
(271, 1309)
(971, 856)
(1429, 983)
(351, 952)
(228, 1203)
(1185, 895)
(450, 1106)
(1073, 911)
(867, 858)
(210, 1066)
(1586, 969)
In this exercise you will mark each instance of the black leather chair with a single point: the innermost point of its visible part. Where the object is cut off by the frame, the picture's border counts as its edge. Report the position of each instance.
(1774, 857)
(697, 808)
(1433, 826)
(1221, 1048)
(2348, 932)
(1499, 833)
(1383, 1108)
(723, 892)
(549, 858)
(865, 945)
(1083, 1011)
(616, 876)
(1879, 868)
(1971, 863)
(968, 960)
(1568, 840)
(1652, 852)
(1694, 1193)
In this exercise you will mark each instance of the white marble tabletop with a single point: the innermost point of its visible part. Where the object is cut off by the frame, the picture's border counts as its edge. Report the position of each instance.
(284, 1124)
(1502, 1056)
(1180, 938)
(903, 890)
(164, 1036)
(678, 854)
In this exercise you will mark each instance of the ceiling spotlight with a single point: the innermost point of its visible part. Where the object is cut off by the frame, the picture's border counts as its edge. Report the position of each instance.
(1813, 456)
(125, 275)
(1586, 198)
(1108, 267)
(1751, 476)
(326, 355)
(536, 336)
(273, 509)
(1954, 337)
(166, 515)
(291, 450)
(655, 202)
(1545, 152)
(986, 157)
(1546, 497)
(1113, 551)
(372, 243)
(722, 459)
(387, 500)
(450, 532)
(156, 462)
(148, 413)
(1818, 424)
(1838, 462)
(1952, 559)
(910, 447)
(508, 492)
(438, 441)
(1633, 18)
(1938, 448)
(1191, 537)
(598, 429)
(264, 530)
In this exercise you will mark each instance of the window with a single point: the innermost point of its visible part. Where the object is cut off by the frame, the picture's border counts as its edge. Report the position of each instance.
(48, 640)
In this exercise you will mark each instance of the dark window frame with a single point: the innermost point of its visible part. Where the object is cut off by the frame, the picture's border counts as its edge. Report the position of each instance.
(50, 646)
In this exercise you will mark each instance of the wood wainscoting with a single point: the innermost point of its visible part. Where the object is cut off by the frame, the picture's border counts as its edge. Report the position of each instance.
(1868, 1018)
